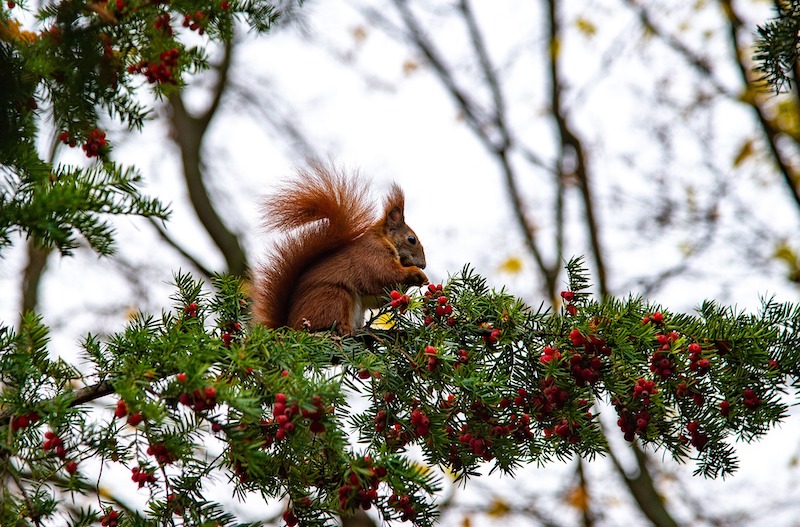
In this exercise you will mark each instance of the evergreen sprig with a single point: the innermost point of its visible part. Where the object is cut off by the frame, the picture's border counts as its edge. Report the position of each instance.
(81, 64)
(463, 374)
(776, 48)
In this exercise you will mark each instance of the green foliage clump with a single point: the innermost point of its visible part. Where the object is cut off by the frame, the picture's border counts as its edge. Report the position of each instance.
(81, 65)
(776, 51)
(467, 376)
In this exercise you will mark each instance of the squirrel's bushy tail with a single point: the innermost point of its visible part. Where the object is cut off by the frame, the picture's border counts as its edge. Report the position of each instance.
(319, 211)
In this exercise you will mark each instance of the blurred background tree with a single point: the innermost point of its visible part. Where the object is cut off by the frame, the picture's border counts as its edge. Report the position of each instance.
(637, 133)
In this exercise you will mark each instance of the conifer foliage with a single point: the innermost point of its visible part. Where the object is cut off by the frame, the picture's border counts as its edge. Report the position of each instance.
(79, 67)
(465, 375)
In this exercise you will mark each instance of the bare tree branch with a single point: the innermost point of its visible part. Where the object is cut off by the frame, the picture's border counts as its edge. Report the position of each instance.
(772, 134)
(189, 134)
(572, 147)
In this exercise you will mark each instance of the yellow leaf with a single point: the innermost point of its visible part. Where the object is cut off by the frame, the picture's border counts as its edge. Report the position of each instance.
(422, 470)
(409, 67)
(385, 321)
(466, 522)
(359, 34)
(578, 498)
(10, 31)
(788, 255)
(586, 27)
(786, 117)
(745, 151)
(512, 265)
(498, 508)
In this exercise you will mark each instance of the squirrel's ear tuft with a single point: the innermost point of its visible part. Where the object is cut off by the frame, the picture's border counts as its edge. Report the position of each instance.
(395, 205)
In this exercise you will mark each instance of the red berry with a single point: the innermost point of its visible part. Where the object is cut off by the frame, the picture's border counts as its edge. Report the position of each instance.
(289, 517)
(724, 408)
(657, 317)
(71, 467)
(568, 296)
(135, 419)
(182, 377)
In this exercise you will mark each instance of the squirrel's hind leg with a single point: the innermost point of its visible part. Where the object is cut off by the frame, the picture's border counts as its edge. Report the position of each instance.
(327, 306)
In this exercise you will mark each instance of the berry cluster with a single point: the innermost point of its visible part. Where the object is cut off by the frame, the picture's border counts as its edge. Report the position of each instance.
(110, 519)
(289, 517)
(462, 357)
(361, 487)
(437, 307)
(549, 354)
(433, 359)
(283, 415)
(24, 421)
(697, 438)
(162, 23)
(660, 363)
(315, 415)
(420, 422)
(122, 410)
(566, 430)
(479, 446)
(142, 477)
(162, 71)
(403, 504)
(65, 138)
(635, 418)
(489, 333)
(399, 301)
(96, 144)
(162, 454)
(71, 467)
(632, 421)
(569, 298)
(54, 443)
(585, 366)
(643, 390)
(190, 310)
(750, 400)
(697, 363)
(230, 332)
(195, 22)
(656, 318)
(542, 403)
(199, 400)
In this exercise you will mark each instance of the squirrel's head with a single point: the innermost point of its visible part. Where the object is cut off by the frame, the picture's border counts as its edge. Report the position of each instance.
(404, 239)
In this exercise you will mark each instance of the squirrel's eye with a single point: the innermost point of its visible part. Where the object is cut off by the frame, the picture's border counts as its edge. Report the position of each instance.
(412, 240)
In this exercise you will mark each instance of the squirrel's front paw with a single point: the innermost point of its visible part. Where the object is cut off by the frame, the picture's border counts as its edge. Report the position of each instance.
(417, 277)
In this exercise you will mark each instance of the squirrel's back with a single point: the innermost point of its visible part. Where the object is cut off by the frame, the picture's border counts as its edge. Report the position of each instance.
(318, 212)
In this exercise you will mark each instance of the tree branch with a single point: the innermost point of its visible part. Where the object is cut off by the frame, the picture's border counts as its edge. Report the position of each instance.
(189, 134)
(478, 125)
(571, 144)
(770, 132)
(80, 396)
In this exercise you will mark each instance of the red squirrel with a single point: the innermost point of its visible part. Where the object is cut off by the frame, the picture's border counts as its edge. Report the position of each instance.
(334, 252)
